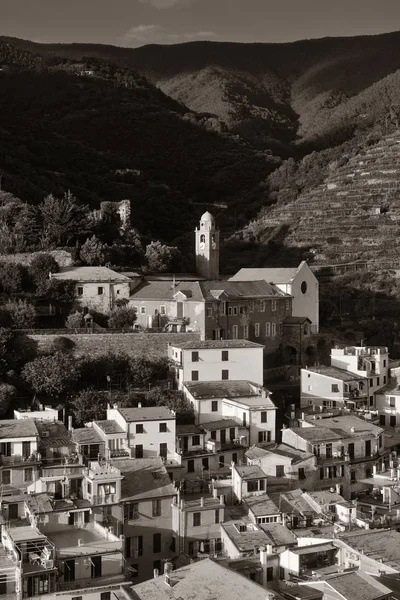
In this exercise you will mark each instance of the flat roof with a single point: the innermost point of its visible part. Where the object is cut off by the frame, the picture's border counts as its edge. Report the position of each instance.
(109, 427)
(245, 540)
(18, 428)
(336, 373)
(216, 345)
(143, 478)
(323, 547)
(195, 505)
(25, 533)
(221, 424)
(150, 413)
(222, 389)
(279, 534)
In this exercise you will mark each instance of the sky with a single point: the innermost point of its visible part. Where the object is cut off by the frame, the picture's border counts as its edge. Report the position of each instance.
(134, 23)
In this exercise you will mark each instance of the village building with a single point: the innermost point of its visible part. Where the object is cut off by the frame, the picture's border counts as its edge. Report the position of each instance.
(284, 461)
(19, 454)
(97, 288)
(247, 481)
(347, 448)
(222, 360)
(348, 586)
(300, 283)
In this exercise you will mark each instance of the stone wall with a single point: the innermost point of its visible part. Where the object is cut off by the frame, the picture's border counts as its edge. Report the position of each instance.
(133, 344)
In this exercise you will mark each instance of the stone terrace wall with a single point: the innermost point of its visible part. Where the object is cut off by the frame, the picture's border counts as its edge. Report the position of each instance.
(133, 344)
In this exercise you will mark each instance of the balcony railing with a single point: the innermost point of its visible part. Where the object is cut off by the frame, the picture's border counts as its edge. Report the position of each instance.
(119, 453)
(10, 461)
(98, 500)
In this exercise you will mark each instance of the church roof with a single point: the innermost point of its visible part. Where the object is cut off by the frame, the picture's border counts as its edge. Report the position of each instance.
(240, 290)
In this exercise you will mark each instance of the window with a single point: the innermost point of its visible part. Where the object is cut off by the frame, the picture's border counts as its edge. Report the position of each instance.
(131, 511)
(162, 428)
(105, 596)
(225, 374)
(234, 457)
(384, 379)
(392, 421)
(368, 472)
(6, 477)
(384, 363)
(213, 435)
(232, 433)
(225, 355)
(257, 329)
(209, 312)
(221, 461)
(156, 543)
(134, 546)
(28, 474)
(264, 416)
(156, 508)
(196, 519)
(195, 356)
(270, 573)
(245, 331)
(195, 440)
(139, 451)
(382, 420)
(273, 333)
(264, 436)
(142, 310)
(368, 448)
(163, 310)
(251, 306)
(241, 310)
(89, 487)
(235, 310)
(163, 450)
(273, 305)
(223, 308)
(328, 451)
(139, 428)
(230, 311)
(262, 305)
(334, 388)
(371, 382)
(190, 466)
(195, 375)
(303, 287)
(204, 463)
(302, 473)
(235, 332)
(392, 400)
(100, 291)
(135, 571)
(214, 406)
(76, 597)
(352, 476)
(79, 290)
(267, 329)
(377, 381)
(216, 516)
(157, 565)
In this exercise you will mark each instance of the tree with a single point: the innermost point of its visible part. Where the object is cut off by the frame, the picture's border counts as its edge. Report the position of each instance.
(145, 372)
(55, 375)
(14, 277)
(74, 320)
(8, 393)
(161, 258)
(22, 314)
(89, 405)
(174, 400)
(62, 343)
(60, 290)
(122, 316)
(62, 220)
(108, 228)
(40, 268)
(94, 252)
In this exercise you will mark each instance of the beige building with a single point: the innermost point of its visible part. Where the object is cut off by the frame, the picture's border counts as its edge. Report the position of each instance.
(97, 288)
(19, 455)
(284, 461)
(217, 360)
(300, 283)
(331, 387)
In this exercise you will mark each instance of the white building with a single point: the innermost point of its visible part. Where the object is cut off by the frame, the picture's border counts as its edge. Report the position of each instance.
(217, 360)
(365, 361)
(150, 431)
(97, 288)
(256, 413)
(330, 387)
(300, 283)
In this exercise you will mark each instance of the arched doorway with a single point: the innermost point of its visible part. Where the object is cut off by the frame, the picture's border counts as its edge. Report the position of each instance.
(311, 356)
(289, 355)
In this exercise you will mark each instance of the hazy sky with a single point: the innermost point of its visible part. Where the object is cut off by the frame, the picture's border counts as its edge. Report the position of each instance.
(137, 22)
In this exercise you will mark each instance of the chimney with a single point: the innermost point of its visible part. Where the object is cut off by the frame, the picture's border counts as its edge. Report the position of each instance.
(338, 488)
(202, 502)
(215, 493)
(374, 470)
(70, 423)
(156, 573)
(222, 500)
(263, 393)
(139, 405)
(182, 503)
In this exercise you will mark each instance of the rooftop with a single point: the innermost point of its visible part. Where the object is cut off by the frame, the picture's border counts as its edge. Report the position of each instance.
(336, 373)
(278, 534)
(277, 275)
(326, 497)
(216, 345)
(88, 274)
(143, 478)
(221, 424)
(53, 434)
(207, 579)
(109, 427)
(39, 503)
(87, 435)
(293, 502)
(18, 428)
(261, 505)
(223, 389)
(188, 429)
(240, 290)
(382, 545)
(166, 289)
(150, 413)
(296, 456)
(73, 541)
(335, 428)
(357, 586)
(25, 533)
(314, 548)
(208, 504)
(248, 472)
(251, 535)
(295, 320)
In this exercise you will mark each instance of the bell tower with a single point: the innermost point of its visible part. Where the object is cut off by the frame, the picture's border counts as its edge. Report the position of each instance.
(207, 248)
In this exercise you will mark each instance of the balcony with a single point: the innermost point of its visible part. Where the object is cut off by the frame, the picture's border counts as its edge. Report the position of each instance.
(119, 453)
(61, 471)
(17, 460)
(101, 500)
(83, 541)
(108, 581)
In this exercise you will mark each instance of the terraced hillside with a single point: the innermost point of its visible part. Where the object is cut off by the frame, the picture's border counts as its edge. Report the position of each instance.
(354, 215)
